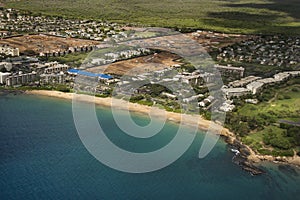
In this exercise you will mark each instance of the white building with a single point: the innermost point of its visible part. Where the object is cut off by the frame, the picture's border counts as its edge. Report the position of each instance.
(3, 77)
(235, 92)
(57, 68)
(244, 81)
(7, 65)
(255, 87)
(206, 101)
(52, 78)
(9, 51)
(227, 106)
(171, 96)
(20, 79)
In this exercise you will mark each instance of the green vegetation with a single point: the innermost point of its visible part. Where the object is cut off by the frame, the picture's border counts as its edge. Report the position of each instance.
(271, 127)
(62, 88)
(58, 87)
(245, 16)
(74, 59)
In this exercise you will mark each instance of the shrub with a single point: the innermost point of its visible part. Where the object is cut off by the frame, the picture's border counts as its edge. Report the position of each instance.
(280, 142)
(63, 88)
(264, 151)
(136, 98)
(288, 153)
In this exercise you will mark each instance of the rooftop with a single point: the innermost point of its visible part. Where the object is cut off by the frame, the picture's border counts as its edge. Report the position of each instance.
(90, 74)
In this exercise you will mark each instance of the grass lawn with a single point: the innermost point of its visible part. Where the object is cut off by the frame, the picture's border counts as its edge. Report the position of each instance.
(74, 60)
(272, 139)
(256, 142)
(285, 104)
(244, 16)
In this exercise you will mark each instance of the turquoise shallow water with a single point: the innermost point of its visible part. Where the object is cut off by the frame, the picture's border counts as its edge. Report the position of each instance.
(42, 157)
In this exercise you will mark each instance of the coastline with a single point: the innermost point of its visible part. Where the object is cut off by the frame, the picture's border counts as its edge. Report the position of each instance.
(190, 120)
(247, 159)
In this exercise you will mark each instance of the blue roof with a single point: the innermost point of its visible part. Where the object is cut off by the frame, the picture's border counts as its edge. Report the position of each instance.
(90, 74)
(73, 70)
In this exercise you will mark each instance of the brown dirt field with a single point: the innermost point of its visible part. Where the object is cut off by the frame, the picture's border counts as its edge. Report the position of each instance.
(139, 65)
(44, 43)
(210, 40)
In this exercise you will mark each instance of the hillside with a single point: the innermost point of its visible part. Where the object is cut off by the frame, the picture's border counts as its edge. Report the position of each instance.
(245, 16)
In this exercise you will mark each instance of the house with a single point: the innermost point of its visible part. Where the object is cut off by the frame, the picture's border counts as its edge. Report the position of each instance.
(227, 106)
(170, 96)
(9, 51)
(206, 101)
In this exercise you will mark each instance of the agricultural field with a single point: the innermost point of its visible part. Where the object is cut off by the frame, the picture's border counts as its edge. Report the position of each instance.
(244, 16)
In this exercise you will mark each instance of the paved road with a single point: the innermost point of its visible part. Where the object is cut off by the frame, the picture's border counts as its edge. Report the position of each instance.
(289, 122)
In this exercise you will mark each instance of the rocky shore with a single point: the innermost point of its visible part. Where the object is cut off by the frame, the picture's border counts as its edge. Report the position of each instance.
(249, 160)
(4, 92)
(242, 154)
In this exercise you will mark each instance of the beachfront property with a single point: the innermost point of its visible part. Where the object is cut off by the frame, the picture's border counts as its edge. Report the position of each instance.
(53, 73)
(169, 95)
(6, 66)
(3, 77)
(54, 78)
(192, 98)
(99, 77)
(21, 79)
(88, 81)
(9, 51)
(55, 67)
(206, 101)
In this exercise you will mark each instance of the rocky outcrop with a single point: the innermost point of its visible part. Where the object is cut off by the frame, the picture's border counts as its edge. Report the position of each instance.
(243, 153)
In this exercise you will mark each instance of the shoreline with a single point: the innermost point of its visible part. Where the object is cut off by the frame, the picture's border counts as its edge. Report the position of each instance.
(190, 120)
(247, 159)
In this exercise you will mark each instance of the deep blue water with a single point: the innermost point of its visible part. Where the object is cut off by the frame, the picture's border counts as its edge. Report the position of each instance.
(42, 157)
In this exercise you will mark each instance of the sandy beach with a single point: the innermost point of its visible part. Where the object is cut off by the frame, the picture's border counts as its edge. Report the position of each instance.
(190, 120)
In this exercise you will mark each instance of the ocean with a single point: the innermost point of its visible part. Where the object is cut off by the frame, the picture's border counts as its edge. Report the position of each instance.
(42, 157)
